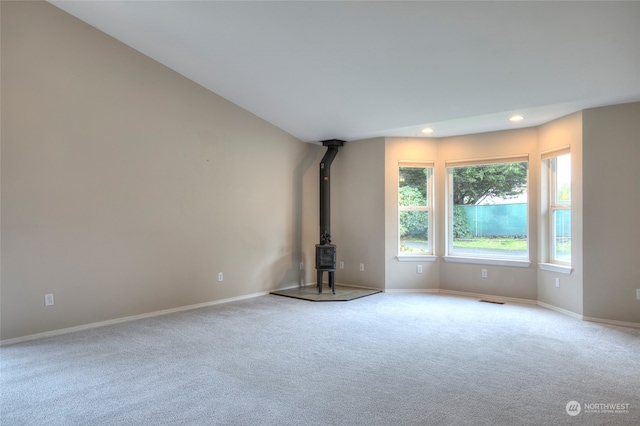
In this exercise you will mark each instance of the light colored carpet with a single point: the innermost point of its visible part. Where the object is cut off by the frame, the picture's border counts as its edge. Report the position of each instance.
(310, 292)
(387, 359)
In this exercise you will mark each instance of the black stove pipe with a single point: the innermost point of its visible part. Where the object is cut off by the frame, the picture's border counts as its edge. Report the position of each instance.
(325, 189)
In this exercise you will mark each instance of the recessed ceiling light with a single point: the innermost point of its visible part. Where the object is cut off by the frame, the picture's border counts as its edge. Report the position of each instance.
(427, 130)
(516, 118)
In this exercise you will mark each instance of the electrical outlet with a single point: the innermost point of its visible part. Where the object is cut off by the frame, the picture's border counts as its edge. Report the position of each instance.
(220, 276)
(418, 269)
(362, 266)
(48, 299)
(638, 293)
(484, 273)
(341, 264)
(557, 282)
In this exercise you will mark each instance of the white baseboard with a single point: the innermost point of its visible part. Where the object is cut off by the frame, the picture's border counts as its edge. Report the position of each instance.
(562, 311)
(494, 298)
(612, 322)
(54, 333)
(90, 326)
(359, 286)
(337, 284)
(590, 319)
(489, 297)
(295, 286)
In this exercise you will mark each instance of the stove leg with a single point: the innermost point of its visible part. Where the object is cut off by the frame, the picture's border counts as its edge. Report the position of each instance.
(319, 283)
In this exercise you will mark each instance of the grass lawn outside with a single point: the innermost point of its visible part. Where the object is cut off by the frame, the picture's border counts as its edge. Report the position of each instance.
(511, 244)
(417, 244)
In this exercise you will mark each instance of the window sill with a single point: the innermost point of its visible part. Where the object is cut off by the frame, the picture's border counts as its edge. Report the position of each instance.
(416, 258)
(487, 261)
(552, 267)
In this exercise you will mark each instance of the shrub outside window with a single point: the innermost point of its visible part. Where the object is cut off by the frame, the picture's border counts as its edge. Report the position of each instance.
(415, 200)
(488, 208)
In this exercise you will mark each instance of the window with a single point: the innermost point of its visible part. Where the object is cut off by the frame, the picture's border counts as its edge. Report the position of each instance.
(488, 209)
(559, 207)
(415, 200)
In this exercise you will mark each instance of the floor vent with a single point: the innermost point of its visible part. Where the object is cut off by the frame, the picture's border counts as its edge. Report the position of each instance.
(492, 301)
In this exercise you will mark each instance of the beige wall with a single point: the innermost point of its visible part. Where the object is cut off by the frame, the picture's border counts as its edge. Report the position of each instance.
(126, 188)
(358, 212)
(556, 134)
(310, 208)
(611, 138)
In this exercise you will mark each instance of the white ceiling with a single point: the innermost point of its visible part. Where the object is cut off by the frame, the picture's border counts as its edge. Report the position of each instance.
(354, 70)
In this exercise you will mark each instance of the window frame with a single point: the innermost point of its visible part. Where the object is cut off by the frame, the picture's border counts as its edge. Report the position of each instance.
(485, 258)
(549, 164)
(429, 208)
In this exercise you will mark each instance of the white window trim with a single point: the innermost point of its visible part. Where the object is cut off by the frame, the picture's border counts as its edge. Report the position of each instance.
(498, 261)
(516, 158)
(429, 208)
(555, 152)
(554, 267)
(551, 186)
(524, 261)
(416, 258)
